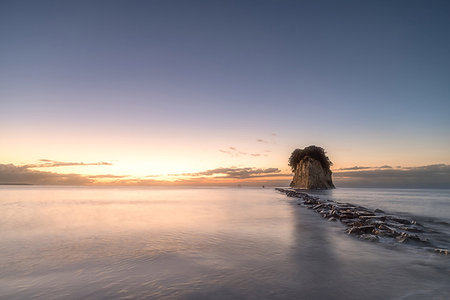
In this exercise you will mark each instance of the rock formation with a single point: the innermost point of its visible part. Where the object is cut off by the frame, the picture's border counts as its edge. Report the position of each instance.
(311, 169)
(370, 225)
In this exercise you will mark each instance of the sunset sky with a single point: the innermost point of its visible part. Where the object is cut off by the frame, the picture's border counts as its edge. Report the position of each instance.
(221, 92)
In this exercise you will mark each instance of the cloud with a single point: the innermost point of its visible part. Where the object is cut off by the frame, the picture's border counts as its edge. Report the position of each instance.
(11, 174)
(434, 167)
(218, 176)
(269, 140)
(354, 168)
(47, 163)
(237, 173)
(138, 182)
(234, 152)
(430, 176)
(108, 176)
(363, 168)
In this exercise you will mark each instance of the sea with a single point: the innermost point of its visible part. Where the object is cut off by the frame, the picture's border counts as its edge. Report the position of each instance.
(67, 242)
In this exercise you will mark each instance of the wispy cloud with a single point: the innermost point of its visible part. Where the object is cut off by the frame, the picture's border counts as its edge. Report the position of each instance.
(353, 168)
(363, 168)
(108, 176)
(47, 163)
(26, 174)
(237, 173)
(234, 152)
(430, 176)
(270, 140)
(11, 174)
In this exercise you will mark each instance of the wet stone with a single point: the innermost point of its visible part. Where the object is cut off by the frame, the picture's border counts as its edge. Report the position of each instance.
(369, 218)
(412, 228)
(367, 229)
(366, 224)
(317, 206)
(368, 237)
(364, 213)
(441, 251)
(353, 230)
(399, 220)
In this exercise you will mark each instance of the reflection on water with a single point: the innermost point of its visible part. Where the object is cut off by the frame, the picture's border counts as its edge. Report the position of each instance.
(114, 243)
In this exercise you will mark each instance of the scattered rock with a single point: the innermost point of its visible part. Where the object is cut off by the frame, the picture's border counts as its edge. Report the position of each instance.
(362, 222)
(368, 237)
(361, 213)
(400, 220)
(441, 251)
(318, 206)
(372, 218)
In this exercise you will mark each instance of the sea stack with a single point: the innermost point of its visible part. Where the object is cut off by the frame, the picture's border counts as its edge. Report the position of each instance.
(311, 168)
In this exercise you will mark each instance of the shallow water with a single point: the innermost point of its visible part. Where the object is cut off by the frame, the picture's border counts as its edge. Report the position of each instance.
(429, 207)
(433, 203)
(196, 243)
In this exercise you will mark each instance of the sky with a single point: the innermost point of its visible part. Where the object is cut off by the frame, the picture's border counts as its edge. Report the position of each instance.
(221, 92)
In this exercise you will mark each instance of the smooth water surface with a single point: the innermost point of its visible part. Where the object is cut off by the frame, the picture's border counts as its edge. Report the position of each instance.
(195, 243)
(428, 207)
(432, 203)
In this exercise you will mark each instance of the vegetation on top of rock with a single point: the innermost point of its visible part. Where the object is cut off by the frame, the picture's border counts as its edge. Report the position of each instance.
(315, 152)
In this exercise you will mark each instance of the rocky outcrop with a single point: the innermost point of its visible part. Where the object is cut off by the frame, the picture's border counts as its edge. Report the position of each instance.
(311, 169)
(310, 174)
(366, 224)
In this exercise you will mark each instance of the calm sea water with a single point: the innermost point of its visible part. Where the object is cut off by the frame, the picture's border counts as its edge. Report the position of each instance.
(208, 243)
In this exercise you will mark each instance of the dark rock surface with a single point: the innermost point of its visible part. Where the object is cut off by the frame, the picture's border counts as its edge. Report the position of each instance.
(311, 168)
(310, 174)
(366, 224)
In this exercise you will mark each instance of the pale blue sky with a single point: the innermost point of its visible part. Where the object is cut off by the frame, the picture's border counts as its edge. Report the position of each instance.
(365, 75)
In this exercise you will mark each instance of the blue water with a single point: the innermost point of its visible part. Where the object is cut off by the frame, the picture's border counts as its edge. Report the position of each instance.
(207, 243)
